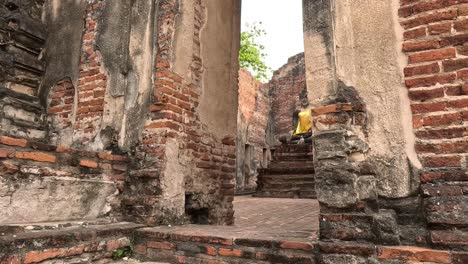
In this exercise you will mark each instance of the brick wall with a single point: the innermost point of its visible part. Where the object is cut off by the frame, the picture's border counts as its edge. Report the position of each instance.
(434, 42)
(205, 164)
(287, 87)
(60, 109)
(79, 184)
(92, 81)
(253, 123)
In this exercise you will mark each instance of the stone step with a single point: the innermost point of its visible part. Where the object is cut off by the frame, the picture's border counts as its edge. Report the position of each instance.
(286, 185)
(288, 177)
(293, 194)
(294, 148)
(287, 170)
(291, 164)
(289, 156)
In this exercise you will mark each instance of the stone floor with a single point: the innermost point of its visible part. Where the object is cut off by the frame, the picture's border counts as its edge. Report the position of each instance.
(263, 218)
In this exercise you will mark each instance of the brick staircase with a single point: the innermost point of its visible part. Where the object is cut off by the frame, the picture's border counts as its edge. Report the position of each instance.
(290, 174)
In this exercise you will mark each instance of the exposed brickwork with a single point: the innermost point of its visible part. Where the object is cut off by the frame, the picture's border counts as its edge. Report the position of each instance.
(92, 81)
(23, 161)
(435, 76)
(287, 88)
(61, 100)
(88, 244)
(181, 248)
(174, 118)
(253, 126)
(60, 108)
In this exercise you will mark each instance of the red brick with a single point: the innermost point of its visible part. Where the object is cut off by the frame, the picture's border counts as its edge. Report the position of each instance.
(454, 65)
(428, 107)
(459, 257)
(462, 103)
(454, 40)
(432, 55)
(420, 46)
(296, 245)
(445, 133)
(39, 256)
(443, 119)
(430, 18)
(442, 161)
(440, 28)
(461, 25)
(414, 34)
(88, 163)
(163, 124)
(430, 80)
(417, 122)
(75, 251)
(422, 69)
(449, 238)
(445, 176)
(140, 249)
(442, 190)
(19, 142)
(414, 254)
(225, 252)
(454, 90)
(5, 153)
(424, 6)
(423, 95)
(36, 156)
(463, 10)
(160, 245)
(209, 250)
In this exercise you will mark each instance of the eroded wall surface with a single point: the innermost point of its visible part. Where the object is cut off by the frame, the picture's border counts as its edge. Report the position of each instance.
(381, 178)
(287, 88)
(100, 85)
(253, 131)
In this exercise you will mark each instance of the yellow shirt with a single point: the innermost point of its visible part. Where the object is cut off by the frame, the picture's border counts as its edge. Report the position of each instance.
(305, 122)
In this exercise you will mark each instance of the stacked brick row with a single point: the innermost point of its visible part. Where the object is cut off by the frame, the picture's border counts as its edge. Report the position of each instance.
(21, 159)
(181, 248)
(435, 37)
(83, 244)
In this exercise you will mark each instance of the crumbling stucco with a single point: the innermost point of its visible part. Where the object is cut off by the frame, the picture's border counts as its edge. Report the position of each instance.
(367, 58)
(218, 102)
(126, 42)
(65, 24)
(35, 200)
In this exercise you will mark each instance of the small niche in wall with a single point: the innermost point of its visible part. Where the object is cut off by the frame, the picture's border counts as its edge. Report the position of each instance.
(196, 213)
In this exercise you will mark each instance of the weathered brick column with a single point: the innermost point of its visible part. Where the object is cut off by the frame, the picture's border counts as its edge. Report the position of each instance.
(435, 37)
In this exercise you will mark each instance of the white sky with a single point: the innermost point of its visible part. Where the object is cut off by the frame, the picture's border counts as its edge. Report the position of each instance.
(282, 20)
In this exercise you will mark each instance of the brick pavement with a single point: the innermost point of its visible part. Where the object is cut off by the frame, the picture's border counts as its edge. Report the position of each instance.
(262, 218)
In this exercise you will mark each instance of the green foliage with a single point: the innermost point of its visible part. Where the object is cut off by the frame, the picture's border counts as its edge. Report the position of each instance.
(251, 55)
(122, 253)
